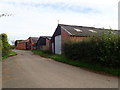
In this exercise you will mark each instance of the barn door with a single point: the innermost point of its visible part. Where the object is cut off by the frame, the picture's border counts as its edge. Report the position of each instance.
(58, 44)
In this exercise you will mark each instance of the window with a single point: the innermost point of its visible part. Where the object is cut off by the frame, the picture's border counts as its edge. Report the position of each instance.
(78, 30)
(93, 31)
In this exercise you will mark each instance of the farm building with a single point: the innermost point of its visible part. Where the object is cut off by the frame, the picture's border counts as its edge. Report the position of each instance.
(44, 43)
(21, 44)
(65, 33)
(32, 42)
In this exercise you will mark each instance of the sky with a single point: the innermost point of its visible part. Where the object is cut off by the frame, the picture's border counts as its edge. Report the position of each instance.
(34, 18)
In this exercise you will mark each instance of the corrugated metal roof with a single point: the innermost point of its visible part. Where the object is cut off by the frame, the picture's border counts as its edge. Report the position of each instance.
(84, 31)
(47, 37)
(42, 40)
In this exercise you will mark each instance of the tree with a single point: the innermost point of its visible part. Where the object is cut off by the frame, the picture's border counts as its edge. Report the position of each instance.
(5, 44)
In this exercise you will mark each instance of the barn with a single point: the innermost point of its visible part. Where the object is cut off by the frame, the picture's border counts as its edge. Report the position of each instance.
(32, 42)
(44, 43)
(64, 33)
(21, 44)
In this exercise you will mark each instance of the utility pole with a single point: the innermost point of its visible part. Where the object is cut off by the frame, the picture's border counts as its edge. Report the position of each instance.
(58, 21)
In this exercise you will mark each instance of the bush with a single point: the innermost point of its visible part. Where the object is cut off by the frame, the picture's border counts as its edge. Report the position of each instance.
(5, 45)
(103, 50)
(12, 47)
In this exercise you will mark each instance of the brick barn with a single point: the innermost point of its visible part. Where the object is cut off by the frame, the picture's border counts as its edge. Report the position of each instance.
(65, 33)
(44, 43)
(32, 42)
(21, 44)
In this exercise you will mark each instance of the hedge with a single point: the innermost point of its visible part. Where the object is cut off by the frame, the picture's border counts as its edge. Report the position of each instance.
(102, 50)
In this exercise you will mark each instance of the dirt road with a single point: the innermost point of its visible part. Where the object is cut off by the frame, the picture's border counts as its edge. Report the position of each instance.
(27, 70)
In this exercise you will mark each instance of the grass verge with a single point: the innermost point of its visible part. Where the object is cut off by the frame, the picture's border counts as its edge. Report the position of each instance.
(88, 66)
(11, 53)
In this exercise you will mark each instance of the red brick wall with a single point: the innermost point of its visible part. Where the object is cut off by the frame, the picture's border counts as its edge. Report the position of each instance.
(76, 38)
(47, 46)
(66, 37)
(31, 45)
(21, 45)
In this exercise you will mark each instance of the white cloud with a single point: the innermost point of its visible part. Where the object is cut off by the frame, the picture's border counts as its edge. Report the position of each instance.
(31, 20)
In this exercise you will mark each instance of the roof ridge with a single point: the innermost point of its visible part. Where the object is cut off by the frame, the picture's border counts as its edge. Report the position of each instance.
(75, 25)
(45, 37)
(83, 26)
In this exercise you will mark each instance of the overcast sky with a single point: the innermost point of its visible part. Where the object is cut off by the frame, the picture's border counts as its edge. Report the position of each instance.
(40, 17)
